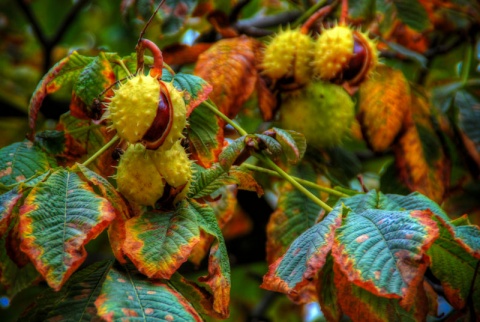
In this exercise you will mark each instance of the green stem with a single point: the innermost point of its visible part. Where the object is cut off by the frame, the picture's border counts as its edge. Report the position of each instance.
(214, 109)
(466, 64)
(294, 182)
(306, 183)
(265, 159)
(308, 13)
(100, 152)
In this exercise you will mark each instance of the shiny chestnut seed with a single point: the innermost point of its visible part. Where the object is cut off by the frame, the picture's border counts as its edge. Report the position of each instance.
(362, 61)
(158, 131)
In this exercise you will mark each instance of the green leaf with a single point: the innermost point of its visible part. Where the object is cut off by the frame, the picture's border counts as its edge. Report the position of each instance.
(21, 161)
(205, 136)
(8, 201)
(231, 153)
(218, 278)
(195, 89)
(52, 142)
(64, 73)
(93, 80)
(294, 214)
(13, 278)
(75, 302)
(454, 262)
(417, 201)
(159, 242)
(304, 258)
(293, 144)
(207, 181)
(383, 250)
(127, 295)
(269, 145)
(412, 13)
(327, 292)
(60, 216)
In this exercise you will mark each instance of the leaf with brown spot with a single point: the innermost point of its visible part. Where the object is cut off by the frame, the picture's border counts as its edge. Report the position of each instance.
(75, 216)
(299, 266)
(384, 100)
(65, 72)
(75, 302)
(229, 66)
(127, 295)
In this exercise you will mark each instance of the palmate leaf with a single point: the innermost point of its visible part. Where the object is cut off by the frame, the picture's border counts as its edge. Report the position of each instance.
(454, 257)
(205, 135)
(127, 295)
(64, 73)
(158, 242)
(383, 251)
(58, 217)
(294, 214)
(304, 258)
(218, 278)
(21, 161)
(76, 300)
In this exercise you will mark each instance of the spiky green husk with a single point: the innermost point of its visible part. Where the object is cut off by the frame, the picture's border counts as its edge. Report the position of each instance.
(133, 107)
(333, 50)
(289, 55)
(138, 178)
(323, 112)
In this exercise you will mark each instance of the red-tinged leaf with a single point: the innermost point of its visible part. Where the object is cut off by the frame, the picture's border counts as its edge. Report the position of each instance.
(327, 292)
(127, 296)
(205, 135)
(267, 101)
(453, 253)
(384, 100)
(74, 302)
(294, 214)
(116, 230)
(304, 258)
(62, 74)
(21, 161)
(159, 242)
(218, 278)
(180, 54)
(230, 153)
(293, 144)
(195, 90)
(12, 277)
(229, 66)
(420, 159)
(84, 138)
(75, 216)
(245, 180)
(8, 201)
(383, 251)
(224, 209)
(96, 77)
(361, 305)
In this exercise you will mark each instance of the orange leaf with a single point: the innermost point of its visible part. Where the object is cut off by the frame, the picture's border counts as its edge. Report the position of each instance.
(384, 100)
(229, 66)
(419, 153)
